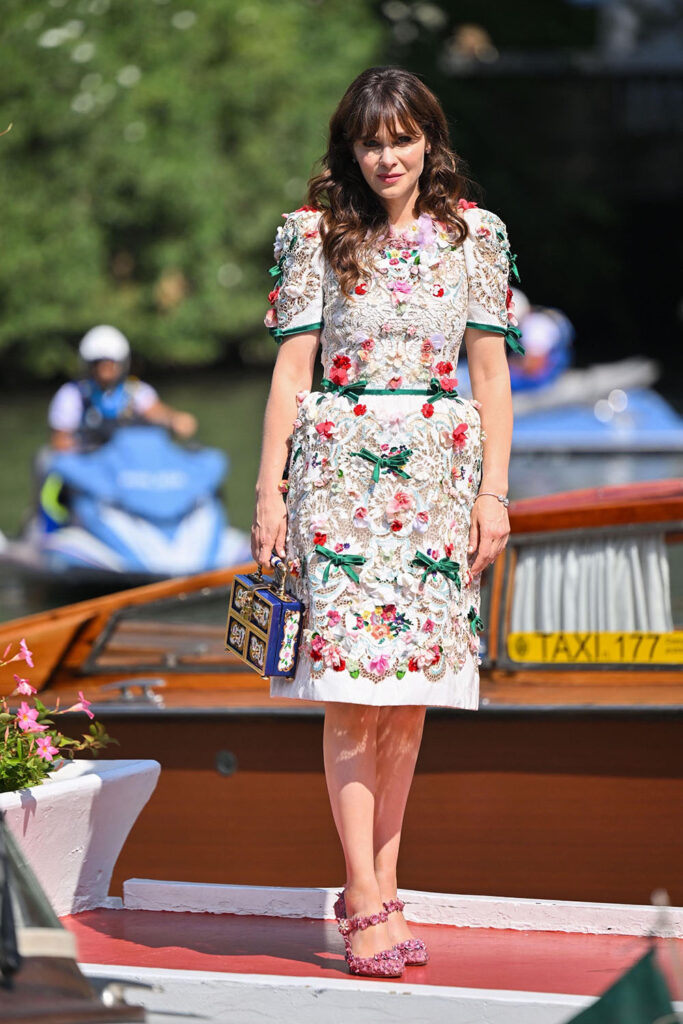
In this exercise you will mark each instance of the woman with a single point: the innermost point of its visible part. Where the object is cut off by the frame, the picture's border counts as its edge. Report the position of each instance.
(396, 496)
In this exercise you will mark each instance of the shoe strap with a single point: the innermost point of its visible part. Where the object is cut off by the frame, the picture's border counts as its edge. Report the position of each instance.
(391, 905)
(348, 925)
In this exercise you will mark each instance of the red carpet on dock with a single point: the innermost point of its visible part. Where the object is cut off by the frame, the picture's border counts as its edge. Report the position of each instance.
(482, 958)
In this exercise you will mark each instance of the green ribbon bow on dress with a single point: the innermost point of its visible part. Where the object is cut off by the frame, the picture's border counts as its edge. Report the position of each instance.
(276, 270)
(393, 463)
(438, 392)
(512, 258)
(476, 624)
(341, 561)
(512, 336)
(351, 391)
(447, 567)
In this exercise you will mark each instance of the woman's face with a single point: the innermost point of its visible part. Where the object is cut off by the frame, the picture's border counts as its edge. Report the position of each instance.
(392, 161)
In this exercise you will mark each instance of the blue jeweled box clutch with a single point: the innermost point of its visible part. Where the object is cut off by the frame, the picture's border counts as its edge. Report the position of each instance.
(264, 622)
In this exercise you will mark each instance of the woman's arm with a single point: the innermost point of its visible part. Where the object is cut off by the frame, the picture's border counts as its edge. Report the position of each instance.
(293, 373)
(490, 377)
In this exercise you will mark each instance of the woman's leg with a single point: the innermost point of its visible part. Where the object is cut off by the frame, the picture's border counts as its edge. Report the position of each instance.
(399, 733)
(350, 749)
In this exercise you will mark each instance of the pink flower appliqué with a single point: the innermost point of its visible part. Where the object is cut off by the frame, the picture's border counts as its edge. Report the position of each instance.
(379, 664)
(456, 438)
(333, 617)
(464, 204)
(448, 383)
(270, 319)
(421, 521)
(400, 501)
(428, 626)
(326, 429)
(360, 517)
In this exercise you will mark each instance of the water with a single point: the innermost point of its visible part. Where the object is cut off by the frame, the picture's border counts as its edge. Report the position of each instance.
(230, 412)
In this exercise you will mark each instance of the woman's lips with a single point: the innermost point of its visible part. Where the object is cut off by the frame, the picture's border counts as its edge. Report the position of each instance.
(389, 178)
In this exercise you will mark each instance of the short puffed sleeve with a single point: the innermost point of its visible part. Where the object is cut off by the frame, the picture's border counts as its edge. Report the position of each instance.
(489, 263)
(297, 295)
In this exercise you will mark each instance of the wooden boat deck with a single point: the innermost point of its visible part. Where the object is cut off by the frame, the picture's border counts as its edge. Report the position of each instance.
(479, 958)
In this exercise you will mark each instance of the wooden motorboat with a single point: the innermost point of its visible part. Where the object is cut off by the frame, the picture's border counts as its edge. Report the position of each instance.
(566, 784)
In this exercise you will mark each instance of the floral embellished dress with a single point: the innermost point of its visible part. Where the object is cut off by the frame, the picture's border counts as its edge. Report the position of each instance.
(386, 460)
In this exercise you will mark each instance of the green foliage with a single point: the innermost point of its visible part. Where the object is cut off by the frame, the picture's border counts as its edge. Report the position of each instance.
(155, 145)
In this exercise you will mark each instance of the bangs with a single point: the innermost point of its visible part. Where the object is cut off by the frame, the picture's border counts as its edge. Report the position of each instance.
(376, 111)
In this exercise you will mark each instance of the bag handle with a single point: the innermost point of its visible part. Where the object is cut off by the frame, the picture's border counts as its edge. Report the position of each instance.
(281, 574)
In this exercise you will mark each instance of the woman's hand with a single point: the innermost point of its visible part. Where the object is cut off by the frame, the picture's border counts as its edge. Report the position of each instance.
(489, 532)
(269, 528)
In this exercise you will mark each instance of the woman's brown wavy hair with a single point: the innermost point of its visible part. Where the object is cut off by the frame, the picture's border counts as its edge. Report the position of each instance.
(353, 218)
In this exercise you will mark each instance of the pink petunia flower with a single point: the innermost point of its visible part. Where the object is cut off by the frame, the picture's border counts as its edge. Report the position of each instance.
(45, 748)
(24, 654)
(82, 705)
(23, 686)
(26, 719)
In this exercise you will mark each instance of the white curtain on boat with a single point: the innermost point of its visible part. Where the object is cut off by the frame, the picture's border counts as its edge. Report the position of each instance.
(606, 584)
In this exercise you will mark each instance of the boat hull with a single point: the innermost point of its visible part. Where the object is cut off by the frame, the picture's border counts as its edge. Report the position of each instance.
(569, 805)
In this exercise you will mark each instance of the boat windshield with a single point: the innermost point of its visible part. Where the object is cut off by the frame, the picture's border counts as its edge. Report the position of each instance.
(186, 631)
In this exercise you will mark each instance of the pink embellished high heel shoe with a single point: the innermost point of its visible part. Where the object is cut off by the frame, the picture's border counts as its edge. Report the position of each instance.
(388, 963)
(414, 950)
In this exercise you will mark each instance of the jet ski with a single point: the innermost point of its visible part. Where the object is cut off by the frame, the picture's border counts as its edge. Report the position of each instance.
(137, 508)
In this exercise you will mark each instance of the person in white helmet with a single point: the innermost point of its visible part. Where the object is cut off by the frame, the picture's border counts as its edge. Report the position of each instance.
(87, 411)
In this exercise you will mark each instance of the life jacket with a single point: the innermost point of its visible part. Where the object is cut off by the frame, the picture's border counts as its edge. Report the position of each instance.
(103, 411)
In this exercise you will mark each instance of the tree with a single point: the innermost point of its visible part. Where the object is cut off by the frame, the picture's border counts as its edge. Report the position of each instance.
(155, 145)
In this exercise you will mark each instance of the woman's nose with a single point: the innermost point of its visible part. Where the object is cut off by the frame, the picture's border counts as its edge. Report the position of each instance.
(387, 157)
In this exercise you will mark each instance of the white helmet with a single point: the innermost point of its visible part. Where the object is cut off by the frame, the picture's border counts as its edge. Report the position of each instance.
(104, 342)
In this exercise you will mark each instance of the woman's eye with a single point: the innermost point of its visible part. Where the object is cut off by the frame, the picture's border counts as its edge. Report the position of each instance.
(404, 140)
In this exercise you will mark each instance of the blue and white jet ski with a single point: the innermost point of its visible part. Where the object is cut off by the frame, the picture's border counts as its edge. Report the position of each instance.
(139, 507)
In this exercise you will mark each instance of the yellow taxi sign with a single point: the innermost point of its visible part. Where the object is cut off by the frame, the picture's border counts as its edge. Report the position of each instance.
(560, 648)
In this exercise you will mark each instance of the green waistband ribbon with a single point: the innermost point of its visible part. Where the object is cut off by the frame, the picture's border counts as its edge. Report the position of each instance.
(352, 391)
(438, 392)
(447, 567)
(393, 463)
(476, 624)
(341, 561)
